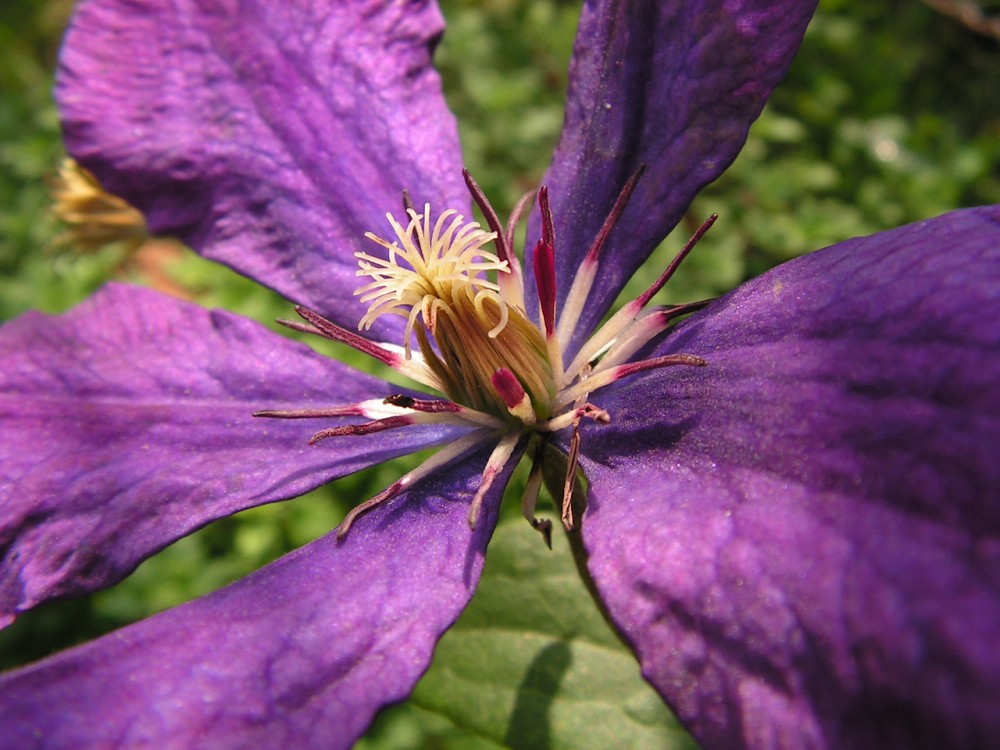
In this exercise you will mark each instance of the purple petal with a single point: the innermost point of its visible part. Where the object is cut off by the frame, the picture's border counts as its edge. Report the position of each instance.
(671, 84)
(813, 558)
(269, 136)
(299, 655)
(127, 423)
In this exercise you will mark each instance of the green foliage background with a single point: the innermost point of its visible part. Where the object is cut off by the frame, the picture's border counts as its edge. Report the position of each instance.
(889, 116)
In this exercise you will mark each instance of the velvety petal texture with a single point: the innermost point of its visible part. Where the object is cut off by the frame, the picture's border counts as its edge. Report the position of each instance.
(300, 654)
(802, 539)
(267, 135)
(671, 84)
(127, 424)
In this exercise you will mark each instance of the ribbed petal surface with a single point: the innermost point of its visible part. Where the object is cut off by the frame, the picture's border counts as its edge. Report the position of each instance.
(300, 654)
(267, 135)
(127, 424)
(671, 84)
(802, 539)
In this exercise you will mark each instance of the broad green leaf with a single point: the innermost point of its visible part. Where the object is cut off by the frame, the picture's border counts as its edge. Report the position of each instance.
(532, 663)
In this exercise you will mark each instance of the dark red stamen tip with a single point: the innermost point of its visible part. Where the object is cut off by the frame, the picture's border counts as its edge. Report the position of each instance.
(687, 308)
(515, 216)
(298, 325)
(508, 387)
(401, 400)
(387, 494)
(492, 220)
(331, 330)
(378, 425)
(544, 527)
(548, 224)
(408, 202)
(678, 259)
(669, 360)
(616, 213)
(323, 413)
(570, 485)
(431, 406)
(545, 279)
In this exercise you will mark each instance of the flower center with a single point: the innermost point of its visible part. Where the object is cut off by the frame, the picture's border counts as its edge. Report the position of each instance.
(503, 374)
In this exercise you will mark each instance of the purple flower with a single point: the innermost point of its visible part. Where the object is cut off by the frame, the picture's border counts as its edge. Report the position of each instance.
(801, 539)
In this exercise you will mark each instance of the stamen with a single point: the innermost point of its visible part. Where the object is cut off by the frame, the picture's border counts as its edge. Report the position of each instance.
(548, 222)
(401, 420)
(545, 265)
(676, 311)
(633, 338)
(509, 389)
(545, 280)
(587, 411)
(529, 501)
(602, 379)
(515, 218)
(354, 410)
(444, 456)
(570, 484)
(394, 406)
(631, 310)
(644, 298)
(372, 408)
(367, 428)
(498, 460)
(328, 329)
(511, 285)
(585, 275)
(432, 406)
(439, 406)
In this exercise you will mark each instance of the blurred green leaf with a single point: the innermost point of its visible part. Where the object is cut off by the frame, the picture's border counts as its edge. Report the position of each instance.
(532, 664)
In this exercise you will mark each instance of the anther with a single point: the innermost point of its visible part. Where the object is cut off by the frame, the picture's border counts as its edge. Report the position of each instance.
(498, 460)
(545, 280)
(529, 500)
(644, 298)
(442, 458)
(510, 390)
(587, 272)
(503, 244)
(367, 428)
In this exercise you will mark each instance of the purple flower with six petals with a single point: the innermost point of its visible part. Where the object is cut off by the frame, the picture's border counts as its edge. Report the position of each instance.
(800, 540)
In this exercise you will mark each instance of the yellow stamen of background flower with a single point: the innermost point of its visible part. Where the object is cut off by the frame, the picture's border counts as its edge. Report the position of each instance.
(93, 217)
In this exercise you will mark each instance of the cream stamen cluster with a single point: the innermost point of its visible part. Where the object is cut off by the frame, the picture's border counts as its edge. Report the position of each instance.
(439, 265)
(501, 373)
